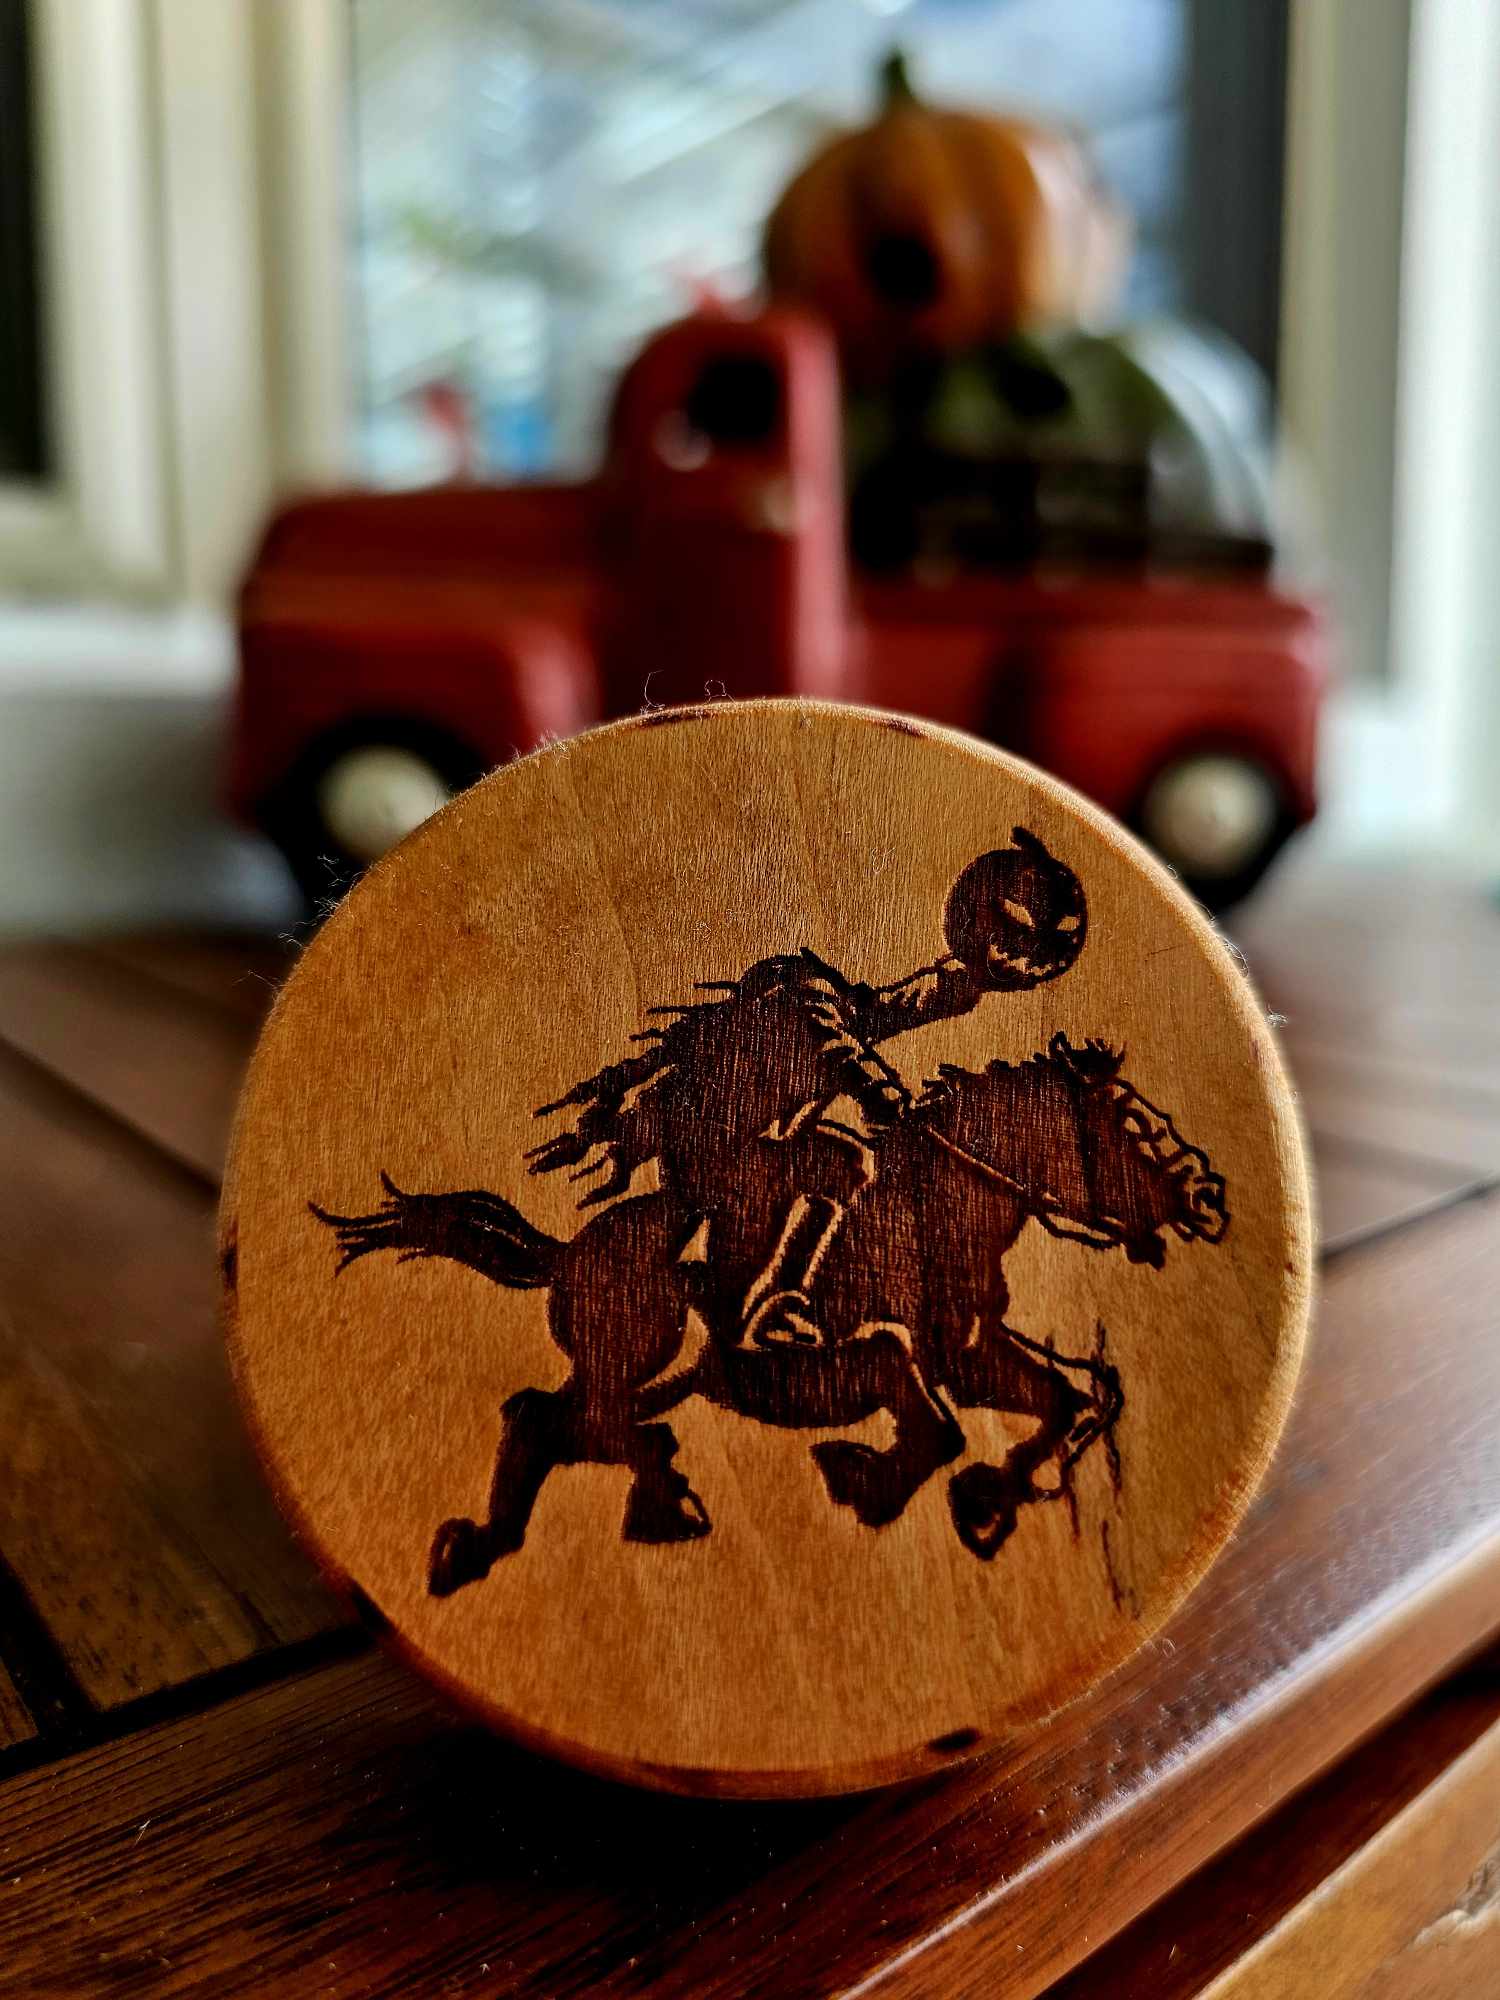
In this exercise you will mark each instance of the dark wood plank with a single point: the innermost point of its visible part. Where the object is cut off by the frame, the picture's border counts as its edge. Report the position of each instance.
(132, 1512)
(239, 974)
(1398, 953)
(1386, 980)
(164, 1060)
(16, 1725)
(1357, 1103)
(340, 1830)
(1263, 1915)
(1468, 1074)
(342, 1834)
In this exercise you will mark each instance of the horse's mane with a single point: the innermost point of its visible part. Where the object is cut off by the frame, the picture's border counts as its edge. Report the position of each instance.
(1091, 1062)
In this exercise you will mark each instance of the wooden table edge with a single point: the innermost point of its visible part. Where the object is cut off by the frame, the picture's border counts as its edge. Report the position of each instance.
(1434, 1630)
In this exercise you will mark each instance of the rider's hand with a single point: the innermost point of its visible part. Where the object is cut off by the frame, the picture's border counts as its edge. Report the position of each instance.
(884, 1103)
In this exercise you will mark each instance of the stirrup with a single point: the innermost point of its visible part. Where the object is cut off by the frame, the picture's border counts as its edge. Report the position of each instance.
(776, 1322)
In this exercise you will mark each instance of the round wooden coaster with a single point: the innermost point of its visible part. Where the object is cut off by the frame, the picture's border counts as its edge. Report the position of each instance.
(767, 1245)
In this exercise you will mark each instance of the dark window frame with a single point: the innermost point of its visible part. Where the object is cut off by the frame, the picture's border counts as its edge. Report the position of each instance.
(25, 451)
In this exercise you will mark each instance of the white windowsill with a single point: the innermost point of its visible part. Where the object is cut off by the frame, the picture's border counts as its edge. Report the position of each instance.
(77, 646)
(112, 726)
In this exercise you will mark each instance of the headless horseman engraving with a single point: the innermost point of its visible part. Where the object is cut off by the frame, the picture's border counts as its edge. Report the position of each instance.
(840, 1265)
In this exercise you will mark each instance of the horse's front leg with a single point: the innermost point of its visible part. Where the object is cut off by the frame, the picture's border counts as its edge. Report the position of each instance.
(1005, 1371)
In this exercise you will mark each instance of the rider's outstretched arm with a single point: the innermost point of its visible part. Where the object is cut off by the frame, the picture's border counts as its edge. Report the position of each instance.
(934, 993)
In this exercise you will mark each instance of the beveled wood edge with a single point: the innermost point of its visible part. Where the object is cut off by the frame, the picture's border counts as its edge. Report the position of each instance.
(1226, 1911)
(1459, 1606)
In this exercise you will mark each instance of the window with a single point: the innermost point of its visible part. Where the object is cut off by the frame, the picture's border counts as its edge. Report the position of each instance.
(24, 442)
(537, 183)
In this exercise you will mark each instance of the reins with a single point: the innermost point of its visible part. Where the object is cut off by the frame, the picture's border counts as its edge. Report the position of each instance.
(1046, 1210)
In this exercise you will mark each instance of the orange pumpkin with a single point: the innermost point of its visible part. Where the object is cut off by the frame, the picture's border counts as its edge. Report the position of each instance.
(934, 229)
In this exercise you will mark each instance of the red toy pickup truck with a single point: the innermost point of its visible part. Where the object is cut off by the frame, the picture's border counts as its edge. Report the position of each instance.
(396, 646)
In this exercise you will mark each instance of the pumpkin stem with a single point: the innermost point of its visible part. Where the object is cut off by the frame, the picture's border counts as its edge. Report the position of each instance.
(896, 86)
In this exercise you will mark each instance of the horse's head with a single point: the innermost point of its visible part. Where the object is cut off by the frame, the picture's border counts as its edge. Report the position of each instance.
(1075, 1145)
(1140, 1177)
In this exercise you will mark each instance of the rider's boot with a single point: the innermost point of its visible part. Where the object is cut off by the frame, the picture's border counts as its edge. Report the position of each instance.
(778, 1310)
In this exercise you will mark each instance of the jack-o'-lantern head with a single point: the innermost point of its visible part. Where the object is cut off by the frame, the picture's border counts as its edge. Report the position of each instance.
(1017, 917)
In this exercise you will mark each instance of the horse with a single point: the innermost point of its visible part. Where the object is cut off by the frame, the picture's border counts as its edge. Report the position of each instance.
(910, 1300)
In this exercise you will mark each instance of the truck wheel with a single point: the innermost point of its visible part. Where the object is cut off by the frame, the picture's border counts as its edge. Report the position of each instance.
(373, 796)
(1216, 818)
(354, 796)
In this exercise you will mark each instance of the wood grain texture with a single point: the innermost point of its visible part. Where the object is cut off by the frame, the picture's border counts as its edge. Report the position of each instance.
(160, 1058)
(315, 1831)
(1373, 1882)
(870, 1161)
(16, 1725)
(420, 1856)
(131, 1512)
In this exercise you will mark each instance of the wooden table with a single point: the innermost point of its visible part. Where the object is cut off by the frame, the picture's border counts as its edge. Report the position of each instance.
(211, 1781)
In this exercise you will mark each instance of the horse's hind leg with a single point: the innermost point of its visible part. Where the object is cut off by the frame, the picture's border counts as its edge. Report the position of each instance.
(540, 1430)
(662, 1506)
(536, 1433)
(621, 1336)
(998, 1372)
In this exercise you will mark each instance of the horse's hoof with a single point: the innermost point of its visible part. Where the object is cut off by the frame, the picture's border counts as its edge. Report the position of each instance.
(459, 1556)
(983, 1504)
(862, 1479)
(659, 1518)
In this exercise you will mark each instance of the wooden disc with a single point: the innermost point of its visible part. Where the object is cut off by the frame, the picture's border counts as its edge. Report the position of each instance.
(767, 1246)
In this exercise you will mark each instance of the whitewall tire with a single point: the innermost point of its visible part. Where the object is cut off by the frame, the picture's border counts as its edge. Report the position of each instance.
(372, 796)
(1213, 817)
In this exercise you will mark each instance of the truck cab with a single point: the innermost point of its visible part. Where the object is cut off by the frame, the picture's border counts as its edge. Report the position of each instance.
(393, 647)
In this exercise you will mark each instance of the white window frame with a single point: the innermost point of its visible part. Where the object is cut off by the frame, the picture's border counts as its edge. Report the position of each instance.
(102, 519)
(302, 50)
(1391, 307)
(186, 152)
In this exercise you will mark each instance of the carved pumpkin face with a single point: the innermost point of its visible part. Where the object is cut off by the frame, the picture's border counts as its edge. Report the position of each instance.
(934, 230)
(1016, 917)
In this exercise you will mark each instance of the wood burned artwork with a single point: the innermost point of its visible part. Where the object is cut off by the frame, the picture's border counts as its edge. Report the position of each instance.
(810, 1324)
(769, 1244)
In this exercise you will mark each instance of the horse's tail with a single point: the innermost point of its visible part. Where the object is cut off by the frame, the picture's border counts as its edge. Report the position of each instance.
(471, 1226)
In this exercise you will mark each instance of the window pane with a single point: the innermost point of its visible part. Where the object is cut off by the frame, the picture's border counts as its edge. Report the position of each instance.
(539, 182)
(23, 440)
